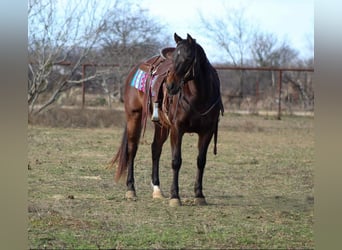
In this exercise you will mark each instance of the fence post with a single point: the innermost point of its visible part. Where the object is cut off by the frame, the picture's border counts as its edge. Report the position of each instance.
(279, 94)
(83, 85)
(257, 90)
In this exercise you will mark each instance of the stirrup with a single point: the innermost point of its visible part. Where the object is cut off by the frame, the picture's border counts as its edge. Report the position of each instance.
(155, 117)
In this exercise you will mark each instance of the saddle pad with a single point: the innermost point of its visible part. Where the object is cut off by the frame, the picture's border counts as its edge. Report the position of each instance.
(139, 80)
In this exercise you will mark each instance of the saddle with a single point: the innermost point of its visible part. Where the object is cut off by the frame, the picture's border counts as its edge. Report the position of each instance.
(157, 67)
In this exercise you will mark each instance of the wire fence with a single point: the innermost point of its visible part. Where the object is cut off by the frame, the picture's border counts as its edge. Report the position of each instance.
(256, 90)
(267, 89)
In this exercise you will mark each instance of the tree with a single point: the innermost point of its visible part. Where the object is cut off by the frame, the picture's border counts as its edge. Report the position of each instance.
(61, 39)
(267, 51)
(232, 33)
(263, 47)
(130, 35)
(59, 36)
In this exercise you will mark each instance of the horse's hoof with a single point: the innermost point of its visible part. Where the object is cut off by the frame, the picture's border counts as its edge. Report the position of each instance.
(199, 201)
(157, 194)
(130, 195)
(174, 202)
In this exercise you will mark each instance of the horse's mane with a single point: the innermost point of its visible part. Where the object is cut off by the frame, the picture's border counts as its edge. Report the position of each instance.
(203, 64)
(200, 51)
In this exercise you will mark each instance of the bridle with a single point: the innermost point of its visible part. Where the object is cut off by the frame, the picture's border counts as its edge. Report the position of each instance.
(188, 76)
(190, 72)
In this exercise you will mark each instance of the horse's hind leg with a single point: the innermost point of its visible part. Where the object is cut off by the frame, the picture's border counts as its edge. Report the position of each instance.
(133, 136)
(203, 143)
(160, 136)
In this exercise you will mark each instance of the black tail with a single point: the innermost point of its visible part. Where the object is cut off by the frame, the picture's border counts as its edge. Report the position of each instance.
(122, 157)
(216, 129)
(215, 138)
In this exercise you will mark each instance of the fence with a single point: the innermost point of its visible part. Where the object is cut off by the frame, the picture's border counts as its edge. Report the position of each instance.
(302, 90)
(84, 67)
(256, 90)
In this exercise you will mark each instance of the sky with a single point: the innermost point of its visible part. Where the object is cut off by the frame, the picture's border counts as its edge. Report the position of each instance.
(290, 20)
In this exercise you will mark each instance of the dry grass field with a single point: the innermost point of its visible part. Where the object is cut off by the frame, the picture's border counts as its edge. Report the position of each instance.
(259, 189)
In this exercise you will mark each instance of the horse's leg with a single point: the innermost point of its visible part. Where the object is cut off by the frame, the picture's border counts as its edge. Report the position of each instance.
(203, 143)
(133, 136)
(176, 145)
(160, 136)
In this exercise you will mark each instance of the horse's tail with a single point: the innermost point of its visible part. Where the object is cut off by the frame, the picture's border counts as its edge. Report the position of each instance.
(215, 137)
(122, 157)
(216, 129)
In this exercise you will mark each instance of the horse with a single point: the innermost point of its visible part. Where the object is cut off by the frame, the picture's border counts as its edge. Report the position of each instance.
(191, 104)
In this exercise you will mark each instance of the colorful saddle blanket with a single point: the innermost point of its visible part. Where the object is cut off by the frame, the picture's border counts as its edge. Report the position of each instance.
(139, 80)
(157, 66)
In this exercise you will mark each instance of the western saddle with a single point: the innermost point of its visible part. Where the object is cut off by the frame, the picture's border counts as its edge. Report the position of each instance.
(158, 68)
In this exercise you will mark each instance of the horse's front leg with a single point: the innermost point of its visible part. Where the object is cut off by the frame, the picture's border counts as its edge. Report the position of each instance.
(160, 136)
(176, 144)
(203, 143)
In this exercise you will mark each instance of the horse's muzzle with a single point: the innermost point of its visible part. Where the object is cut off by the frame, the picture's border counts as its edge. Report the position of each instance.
(172, 89)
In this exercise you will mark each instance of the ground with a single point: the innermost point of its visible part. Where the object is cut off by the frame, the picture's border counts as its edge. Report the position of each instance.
(259, 189)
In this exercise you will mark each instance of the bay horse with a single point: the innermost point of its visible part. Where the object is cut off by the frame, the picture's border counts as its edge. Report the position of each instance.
(192, 104)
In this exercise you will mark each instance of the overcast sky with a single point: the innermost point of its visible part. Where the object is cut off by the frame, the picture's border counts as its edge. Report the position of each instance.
(292, 20)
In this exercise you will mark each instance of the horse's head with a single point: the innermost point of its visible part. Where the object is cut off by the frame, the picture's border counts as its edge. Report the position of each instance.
(184, 58)
(184, 55)
(173, 83)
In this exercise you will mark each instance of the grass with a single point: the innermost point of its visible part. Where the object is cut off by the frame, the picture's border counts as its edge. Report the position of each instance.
(259, 189)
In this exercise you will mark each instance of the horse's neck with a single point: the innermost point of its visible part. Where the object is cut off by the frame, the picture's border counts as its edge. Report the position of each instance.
(203, 84)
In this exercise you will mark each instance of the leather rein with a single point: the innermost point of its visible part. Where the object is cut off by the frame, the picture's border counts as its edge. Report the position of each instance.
(186, 78)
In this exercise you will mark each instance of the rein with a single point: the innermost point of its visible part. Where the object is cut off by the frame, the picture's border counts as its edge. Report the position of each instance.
(187, 77)
(195, 110)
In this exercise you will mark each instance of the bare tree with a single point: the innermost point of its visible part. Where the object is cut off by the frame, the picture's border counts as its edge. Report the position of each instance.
(55, 33)
(130, 35)
(232, 33)
(302, 84)
(267, 51)
(263, 47)
(61, 39)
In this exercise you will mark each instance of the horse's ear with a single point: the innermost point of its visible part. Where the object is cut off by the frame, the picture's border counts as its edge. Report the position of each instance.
(189, 38)
(177, 38)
